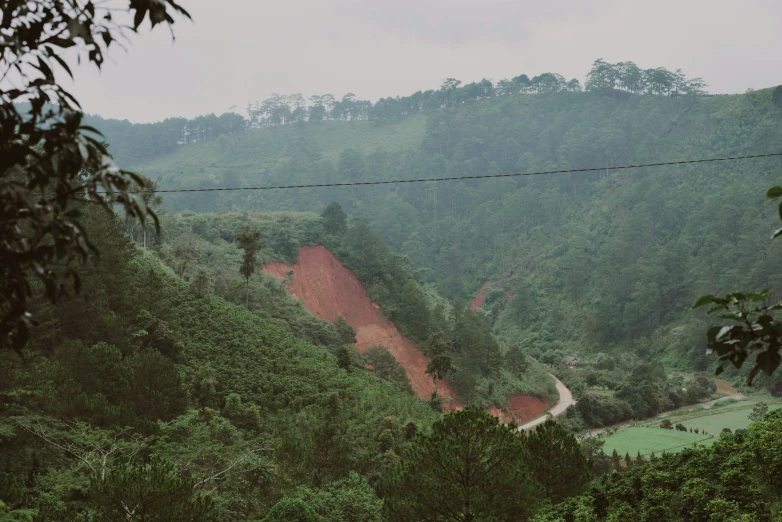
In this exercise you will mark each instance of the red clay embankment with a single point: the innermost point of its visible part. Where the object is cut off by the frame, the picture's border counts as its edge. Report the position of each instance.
(522, 409)
(526, 407)
(328, 289)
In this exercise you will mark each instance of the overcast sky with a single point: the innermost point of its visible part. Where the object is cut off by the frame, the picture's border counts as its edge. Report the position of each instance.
(240, 50)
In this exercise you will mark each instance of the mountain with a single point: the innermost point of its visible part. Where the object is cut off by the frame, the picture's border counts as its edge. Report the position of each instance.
(605, 261)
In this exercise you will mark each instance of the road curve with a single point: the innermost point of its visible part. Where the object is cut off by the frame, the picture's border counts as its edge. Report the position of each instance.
(565, 400)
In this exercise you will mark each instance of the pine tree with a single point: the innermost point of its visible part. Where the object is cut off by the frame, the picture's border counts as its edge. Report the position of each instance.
(249, 241)
(617, 461)
(470, 466)
(438, 347)
(347, 334)
(556, 461)
(334, 219)
(639, 459)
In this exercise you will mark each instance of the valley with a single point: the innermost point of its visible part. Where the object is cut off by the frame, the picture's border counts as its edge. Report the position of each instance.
(527, 298)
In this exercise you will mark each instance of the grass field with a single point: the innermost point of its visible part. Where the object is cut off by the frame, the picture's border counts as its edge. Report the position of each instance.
(648, 440)
(708, 420)
(715, 422)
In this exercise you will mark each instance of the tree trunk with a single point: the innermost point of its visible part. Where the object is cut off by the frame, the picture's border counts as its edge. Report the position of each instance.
(247, 293)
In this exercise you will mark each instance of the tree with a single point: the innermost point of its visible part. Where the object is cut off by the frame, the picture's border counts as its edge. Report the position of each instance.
(759, 412)
(148, 194)
(469, 468)
(344, 360)
(350, 499)
(147, 493)
(346, 333)
(666, 425)
(438, 347)
(755, 330)
(776, 97)
(386, 367)
(334, 219)
(249, 241)
(556, 461)
(50, 162)
(516, 360)
(292, 510)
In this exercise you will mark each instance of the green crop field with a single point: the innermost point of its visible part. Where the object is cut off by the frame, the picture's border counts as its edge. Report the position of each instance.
(648, 440)
(714, 423)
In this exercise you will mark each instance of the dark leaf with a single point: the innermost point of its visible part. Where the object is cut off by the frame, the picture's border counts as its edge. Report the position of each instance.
(703, 300)
(774, 193)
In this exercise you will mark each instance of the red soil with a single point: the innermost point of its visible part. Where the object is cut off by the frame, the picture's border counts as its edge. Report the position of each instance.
(524, 408)
(503, 415)
(328, 289)
(480, 297)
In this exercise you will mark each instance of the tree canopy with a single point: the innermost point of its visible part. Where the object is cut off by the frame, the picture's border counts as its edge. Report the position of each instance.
(52, 164)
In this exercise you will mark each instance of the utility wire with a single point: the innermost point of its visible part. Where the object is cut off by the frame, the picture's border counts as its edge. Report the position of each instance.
(457, 178)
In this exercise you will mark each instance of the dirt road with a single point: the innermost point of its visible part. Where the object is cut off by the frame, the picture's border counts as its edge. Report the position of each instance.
(565, 400)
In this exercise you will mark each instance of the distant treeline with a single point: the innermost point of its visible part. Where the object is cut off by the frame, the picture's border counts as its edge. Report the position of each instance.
(135, 143)
(623, 76)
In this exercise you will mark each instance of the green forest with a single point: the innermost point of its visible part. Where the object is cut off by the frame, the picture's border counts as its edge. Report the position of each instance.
(151, 369)
(606, 262)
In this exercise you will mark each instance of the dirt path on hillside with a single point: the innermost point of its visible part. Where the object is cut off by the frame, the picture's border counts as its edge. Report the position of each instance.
(328, 289)
(565, 401)
(480, 297)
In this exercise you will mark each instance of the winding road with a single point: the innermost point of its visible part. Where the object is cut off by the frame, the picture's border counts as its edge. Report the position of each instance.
(565, 400)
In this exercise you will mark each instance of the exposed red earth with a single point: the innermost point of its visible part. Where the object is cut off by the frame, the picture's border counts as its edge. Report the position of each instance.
(524, 408)
(479, 298)
(328, 289)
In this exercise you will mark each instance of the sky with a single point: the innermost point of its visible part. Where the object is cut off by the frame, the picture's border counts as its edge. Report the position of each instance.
(236, 51)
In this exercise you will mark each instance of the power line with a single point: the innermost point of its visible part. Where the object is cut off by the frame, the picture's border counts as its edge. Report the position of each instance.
(457, 178)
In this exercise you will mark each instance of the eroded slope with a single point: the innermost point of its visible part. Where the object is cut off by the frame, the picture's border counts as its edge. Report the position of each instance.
(328, 290)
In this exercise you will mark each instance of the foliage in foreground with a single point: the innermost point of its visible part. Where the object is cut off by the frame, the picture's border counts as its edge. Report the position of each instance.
(471, 467)
(50, 162)
(188, 391)
(755, 332)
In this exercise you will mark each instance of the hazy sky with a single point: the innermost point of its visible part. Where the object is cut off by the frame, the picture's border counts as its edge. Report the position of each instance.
(240, 50)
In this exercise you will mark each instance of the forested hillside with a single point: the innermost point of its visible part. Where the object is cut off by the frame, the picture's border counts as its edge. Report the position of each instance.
(134, 143)
(202, 249)
(159, 383)
(596, 262)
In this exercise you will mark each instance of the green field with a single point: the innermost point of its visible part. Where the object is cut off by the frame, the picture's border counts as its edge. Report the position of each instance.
(648, 440)
(714, 423)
